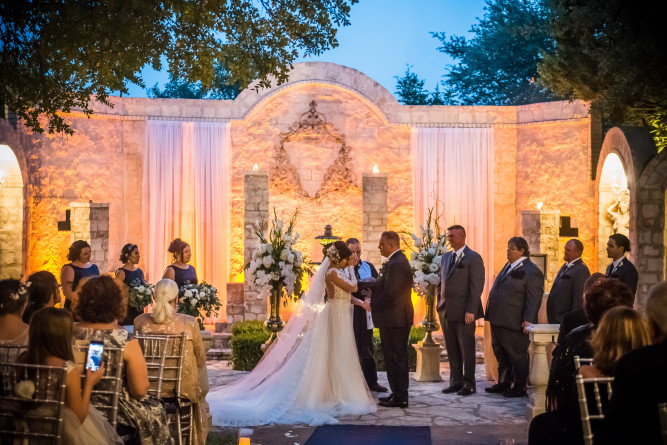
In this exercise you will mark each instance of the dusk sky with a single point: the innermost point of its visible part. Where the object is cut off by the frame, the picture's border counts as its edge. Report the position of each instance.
(384, 36)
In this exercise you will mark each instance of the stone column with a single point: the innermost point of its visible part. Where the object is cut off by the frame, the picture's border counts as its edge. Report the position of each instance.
(541, 335)
(256, 192)
(375, 214)
(541, 229)
(90, 222)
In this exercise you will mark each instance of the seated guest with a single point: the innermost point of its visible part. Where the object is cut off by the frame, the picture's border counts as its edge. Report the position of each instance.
(78, 268)
(165, 320)
(51, 345)
(44, 291)
(577, 317)
(100, 304)
(621, 330)
(129, 256)
(561, 423)
(639, 383)
(13, 297)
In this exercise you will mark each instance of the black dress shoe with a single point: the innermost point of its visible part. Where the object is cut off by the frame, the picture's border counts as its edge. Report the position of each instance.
(515, 392)
(498, 388)
(393, 404)
(453, 388)
(386, 398)
(466, 391)
(378, 388)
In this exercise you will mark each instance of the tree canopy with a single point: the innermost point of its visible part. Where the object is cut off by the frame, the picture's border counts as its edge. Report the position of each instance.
(223, 87)
(410, 90)
(58, 55)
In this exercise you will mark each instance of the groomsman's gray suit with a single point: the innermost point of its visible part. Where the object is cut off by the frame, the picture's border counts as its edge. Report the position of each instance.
(514, 298)
(567, 292)
(461, 286)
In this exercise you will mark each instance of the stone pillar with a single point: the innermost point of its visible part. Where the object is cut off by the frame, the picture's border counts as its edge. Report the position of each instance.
(256, 192)
(541, 228)
(90, 222)
(235, 303)
(375, 214)
(540, 336)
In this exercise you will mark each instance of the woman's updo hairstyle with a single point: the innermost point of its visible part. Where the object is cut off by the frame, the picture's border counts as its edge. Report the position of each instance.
(126, 251)
(13, 295)
(177, 247)
(166, 291)
(337, 251)
(43, 285)
(75, 249)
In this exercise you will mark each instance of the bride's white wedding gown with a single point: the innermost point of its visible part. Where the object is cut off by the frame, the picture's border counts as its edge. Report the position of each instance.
(310, 374)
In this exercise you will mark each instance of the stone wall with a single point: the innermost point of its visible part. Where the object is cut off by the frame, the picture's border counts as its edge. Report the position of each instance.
(375, 215)
(90, 222)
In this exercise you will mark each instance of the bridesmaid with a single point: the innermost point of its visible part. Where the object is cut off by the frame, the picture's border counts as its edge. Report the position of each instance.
(129, 256)
(180, 271)
(79, 267)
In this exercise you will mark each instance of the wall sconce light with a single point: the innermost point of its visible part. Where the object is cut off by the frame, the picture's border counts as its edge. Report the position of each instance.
(255, 167)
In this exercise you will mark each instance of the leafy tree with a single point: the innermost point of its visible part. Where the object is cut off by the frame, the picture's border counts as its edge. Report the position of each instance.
(612, 53)
(410, 88)
(222, 88)
(57, 55)
(498, 66)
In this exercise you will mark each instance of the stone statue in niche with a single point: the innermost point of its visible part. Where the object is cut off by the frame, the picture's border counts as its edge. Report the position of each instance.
(311, 158)
(619, 210)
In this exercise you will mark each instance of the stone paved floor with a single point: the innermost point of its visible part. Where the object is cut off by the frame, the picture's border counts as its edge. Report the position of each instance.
(477, 419)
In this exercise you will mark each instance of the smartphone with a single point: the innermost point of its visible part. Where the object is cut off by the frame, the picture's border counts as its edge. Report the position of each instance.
(95, 349)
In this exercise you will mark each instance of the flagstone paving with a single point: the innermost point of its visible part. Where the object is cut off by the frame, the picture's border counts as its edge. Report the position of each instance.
(477, 419)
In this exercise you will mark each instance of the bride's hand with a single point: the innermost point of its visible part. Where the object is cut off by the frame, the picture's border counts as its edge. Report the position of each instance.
(354, 260)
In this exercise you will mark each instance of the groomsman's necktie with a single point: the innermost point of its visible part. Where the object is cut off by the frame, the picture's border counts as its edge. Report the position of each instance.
(453, 261)
(505, 270)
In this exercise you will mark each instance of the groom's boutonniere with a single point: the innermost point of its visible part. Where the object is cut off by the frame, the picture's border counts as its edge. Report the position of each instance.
(383, 268)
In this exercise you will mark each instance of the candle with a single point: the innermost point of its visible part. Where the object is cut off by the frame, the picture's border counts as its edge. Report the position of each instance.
(244, 441)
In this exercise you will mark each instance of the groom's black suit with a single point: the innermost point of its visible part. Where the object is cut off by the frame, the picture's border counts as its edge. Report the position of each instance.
(392, 311)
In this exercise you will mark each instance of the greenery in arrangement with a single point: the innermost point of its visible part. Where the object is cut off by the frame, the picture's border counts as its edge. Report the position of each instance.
(140, 294)
(57, 56)
(426, 255)
(247, 340)
(276, 264)
(416, 335)
(198, 299)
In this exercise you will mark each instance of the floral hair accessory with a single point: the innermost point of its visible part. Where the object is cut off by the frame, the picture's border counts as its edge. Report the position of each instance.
(333, 254)
(23, 289)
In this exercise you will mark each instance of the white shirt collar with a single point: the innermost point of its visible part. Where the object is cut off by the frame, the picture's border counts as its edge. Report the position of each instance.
(392, 254)
(568, 265)
(618, 262)
(460, 251)
(516, 263)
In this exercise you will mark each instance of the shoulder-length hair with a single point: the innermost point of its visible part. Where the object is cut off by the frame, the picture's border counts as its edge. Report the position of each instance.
(50, 335)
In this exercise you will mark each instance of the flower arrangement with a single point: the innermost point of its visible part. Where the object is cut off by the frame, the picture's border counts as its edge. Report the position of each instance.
(140, 294)
(427, 254)
(276, 264)
(199, 298)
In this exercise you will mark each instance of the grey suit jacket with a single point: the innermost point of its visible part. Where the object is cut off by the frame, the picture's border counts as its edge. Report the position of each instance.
(461, 286)
(567, 291)
(516, 297)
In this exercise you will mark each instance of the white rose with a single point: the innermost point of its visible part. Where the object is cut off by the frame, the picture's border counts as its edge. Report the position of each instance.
(431, 251)
(141, 289)
(267, 261)
(187, 294)
(291, 258)
(202, 294)
(283, 254)
(434, 267)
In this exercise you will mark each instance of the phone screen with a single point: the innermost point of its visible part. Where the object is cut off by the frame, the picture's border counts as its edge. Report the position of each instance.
(94, 355)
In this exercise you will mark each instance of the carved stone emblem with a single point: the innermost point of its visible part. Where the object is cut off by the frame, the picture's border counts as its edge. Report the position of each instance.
(312, 158)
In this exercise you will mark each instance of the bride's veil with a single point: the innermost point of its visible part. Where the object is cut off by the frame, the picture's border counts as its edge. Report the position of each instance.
(265, 394)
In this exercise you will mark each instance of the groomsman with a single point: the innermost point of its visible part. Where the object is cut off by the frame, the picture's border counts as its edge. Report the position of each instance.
(567, 291)
(621, 267)
(459, 305)
(362, 322)
(514, 302)
(392, 311)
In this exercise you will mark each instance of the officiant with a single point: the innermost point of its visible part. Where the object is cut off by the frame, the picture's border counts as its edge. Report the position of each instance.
(362, 321)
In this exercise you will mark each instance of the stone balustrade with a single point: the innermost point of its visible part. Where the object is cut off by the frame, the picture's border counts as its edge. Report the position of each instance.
(541, 335)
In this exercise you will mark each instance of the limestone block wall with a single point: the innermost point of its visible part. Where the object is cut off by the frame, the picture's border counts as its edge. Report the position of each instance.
(256, 193)
(540, 229)
(375, 214)
(11, 225)
(90, 222)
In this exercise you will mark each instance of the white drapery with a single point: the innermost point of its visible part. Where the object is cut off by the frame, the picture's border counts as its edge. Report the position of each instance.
(186, 192)
(452, 170)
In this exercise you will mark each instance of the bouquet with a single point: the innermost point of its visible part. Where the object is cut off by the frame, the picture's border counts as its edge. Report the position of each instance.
(198, 298)
(427, 254)
(276, 264)
(140, 294)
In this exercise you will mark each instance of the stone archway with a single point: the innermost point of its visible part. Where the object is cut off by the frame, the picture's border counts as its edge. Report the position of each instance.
(651, 234)
(613, 205)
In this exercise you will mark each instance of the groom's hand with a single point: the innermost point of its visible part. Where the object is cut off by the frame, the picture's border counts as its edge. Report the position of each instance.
(366, 305)
(469, 317)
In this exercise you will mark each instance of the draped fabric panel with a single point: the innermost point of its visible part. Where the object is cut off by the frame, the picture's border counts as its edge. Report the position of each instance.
(452, 170)
(186, 193)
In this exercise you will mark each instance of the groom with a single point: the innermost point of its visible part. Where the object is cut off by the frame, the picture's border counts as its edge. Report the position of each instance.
(392, 311)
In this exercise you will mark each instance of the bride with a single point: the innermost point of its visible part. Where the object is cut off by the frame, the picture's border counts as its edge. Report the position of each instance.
(311, 373)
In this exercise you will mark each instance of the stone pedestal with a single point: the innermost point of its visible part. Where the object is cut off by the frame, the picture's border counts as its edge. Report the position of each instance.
(375, 187)
(541, 228)
(540, 336)
(90, 222)
(256, 192)
(428, 363)
(235, 303)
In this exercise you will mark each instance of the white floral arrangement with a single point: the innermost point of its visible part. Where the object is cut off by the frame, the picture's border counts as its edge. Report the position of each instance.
(140, 294)
(426, 256)
(199, 298)
(275, 263)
